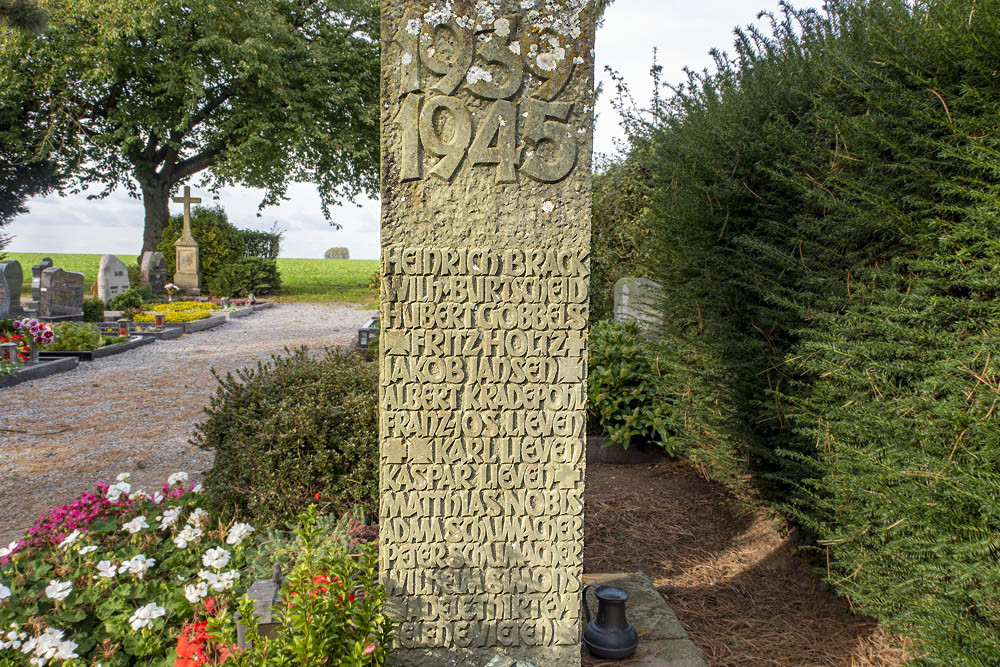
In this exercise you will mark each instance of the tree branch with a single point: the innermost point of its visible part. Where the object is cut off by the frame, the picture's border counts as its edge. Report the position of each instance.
(194, 164)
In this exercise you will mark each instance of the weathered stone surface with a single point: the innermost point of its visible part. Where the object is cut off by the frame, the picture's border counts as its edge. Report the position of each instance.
(187, 269)
(486, 137)
(112, 278)
(154, 271)
(33, 306)
(61, 294)
(11, 277)
(663, 641)
(636, 300)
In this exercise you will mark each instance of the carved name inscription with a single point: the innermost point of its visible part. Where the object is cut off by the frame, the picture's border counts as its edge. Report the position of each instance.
(486, 150)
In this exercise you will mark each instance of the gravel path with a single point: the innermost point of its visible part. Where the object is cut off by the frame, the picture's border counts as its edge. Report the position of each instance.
(135, 411)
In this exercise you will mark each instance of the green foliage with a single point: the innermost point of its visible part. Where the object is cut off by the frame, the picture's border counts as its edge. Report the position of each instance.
(827, 228)
(219, 242)
(337, 253)
(146, 94)
(134, 275)
(334, 611)
(74, 336)
(245, 276)
(258, 243)
(625, 397)
(130, 298)
(23, 15)
(292, 427)
(93, 310)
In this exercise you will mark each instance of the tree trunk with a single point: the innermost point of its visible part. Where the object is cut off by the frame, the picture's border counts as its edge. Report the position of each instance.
(155, 199)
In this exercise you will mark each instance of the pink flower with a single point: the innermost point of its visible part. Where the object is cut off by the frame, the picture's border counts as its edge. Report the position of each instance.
(368, 649)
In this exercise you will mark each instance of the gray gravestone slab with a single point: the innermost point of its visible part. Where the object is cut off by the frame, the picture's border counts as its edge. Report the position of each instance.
(112, 278)
(34, 305)
(11, 277)
(487, 122)
(636, 301)
(62, 294)
(154, 271)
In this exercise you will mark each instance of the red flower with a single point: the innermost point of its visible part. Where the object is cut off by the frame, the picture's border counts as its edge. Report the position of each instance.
(317, 495)
(210, 606)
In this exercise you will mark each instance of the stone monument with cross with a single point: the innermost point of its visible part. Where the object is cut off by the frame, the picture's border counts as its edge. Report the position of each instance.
(487, 118)
(187, 267)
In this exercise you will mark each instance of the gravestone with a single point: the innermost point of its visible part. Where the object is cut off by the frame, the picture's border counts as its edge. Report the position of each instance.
(636, 300)
(11, 277)
(487, 123)
(112, 278)
(33, 306)
(188, 266)
(154, 271)
(61, 295)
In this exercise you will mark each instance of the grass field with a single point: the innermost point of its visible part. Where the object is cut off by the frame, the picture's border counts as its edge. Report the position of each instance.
(342, 280)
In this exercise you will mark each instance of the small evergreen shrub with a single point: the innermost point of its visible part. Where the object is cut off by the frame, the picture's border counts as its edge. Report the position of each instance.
(130, 298)
(242, 277)
(625, 397)
(93, 310)
(259, 243)
(337, 253)
(75, 336)
(147, 292)
(219, 242)
(292, 427)
(134, 275)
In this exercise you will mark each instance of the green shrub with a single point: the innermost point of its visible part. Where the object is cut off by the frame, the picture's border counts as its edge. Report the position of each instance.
(625, 397)
(134, 275)
(75, 336)
(146, 291)
(337, 253)
(219, 242)
(290, 428)
(259, 243)
(93, 310)
(130, 298)
(249, 275)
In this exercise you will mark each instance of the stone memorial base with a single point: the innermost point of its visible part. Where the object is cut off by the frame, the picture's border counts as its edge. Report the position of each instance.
(199, 325)
(663, 641)
(52, 319)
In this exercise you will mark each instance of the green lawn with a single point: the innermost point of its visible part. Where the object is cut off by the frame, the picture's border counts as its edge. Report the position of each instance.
(341, 280)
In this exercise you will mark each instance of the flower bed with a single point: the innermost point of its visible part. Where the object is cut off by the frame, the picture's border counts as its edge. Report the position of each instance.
(122, 577)
(175, 317)
(183, 306)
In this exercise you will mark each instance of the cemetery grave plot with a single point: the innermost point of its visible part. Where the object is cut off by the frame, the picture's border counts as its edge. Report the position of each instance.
(100, 352)
(136, 411)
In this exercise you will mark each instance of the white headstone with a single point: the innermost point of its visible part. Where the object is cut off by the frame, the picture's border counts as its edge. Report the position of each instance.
(112, 278)
(636, 301)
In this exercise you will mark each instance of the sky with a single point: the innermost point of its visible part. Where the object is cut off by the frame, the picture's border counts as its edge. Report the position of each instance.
(681, 31)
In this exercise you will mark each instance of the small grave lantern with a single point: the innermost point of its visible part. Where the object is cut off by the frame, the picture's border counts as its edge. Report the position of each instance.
(123, 328)
(8, 352)
(161, 319)
(225, 303)
(368, 333)
(264, 593)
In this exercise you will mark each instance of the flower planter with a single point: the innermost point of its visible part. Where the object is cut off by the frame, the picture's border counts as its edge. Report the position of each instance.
(42, 369)
(199, 325)
(241, 311)
(143, 329)
(106, 351)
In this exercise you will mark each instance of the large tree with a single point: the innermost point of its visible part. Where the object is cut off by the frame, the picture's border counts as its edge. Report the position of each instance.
(146, 94)
(22, 15)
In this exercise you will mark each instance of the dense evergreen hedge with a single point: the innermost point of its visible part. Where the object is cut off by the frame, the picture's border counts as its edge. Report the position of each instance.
(826, 212)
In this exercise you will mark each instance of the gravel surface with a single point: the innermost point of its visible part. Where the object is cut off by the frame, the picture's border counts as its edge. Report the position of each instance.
(134, 412)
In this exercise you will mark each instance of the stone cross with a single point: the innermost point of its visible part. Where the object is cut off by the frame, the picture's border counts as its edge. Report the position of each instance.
(187, 200)
(487, 122)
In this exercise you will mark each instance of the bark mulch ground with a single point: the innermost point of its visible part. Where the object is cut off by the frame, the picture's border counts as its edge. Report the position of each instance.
(743, 594)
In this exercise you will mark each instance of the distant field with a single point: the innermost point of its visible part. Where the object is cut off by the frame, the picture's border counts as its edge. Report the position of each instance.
(342, 280)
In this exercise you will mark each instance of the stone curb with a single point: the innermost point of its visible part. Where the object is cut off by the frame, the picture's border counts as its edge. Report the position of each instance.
(101, 352)
(40, 370)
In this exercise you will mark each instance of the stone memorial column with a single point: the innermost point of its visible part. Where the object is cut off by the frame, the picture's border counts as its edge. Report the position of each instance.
(487, 116)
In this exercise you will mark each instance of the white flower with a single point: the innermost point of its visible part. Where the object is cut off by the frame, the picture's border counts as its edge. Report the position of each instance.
(187, 535)
(196, 488)
(238, 533)
(169, 517)
(137, 565)
(195, 592)
(140, 495)
(86, 550)
(143, 616)
(106, 569)
(49, 646)
(70, 539)
(157, 497)
(216, 558)
(8, 550)
(177, 478)
(135, 525)
(123, 477)
(116, 490)
(220, 581)
(4, 592)
(196, 516)
(59, 590)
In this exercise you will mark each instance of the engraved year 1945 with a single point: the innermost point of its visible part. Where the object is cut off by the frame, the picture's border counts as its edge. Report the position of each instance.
(433, 119)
